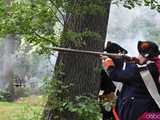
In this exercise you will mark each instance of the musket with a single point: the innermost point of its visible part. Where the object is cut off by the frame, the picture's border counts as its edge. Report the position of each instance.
(94, 53)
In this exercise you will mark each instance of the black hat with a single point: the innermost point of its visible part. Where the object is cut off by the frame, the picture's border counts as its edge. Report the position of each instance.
(148, 49)
(112, 47)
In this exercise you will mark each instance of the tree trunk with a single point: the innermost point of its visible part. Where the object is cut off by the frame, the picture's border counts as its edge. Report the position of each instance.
(80, 69)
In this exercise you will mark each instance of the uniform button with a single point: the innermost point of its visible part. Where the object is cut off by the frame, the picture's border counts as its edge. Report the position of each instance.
(132, 98)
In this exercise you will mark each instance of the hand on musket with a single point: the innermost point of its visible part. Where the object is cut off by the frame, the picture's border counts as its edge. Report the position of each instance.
(107, 62)
(127, 59)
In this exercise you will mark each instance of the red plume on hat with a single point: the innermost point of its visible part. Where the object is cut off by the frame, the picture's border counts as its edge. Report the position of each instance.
(148, 49)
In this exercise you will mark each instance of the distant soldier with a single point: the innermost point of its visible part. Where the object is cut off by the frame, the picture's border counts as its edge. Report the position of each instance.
(139, 98)
(107, 87)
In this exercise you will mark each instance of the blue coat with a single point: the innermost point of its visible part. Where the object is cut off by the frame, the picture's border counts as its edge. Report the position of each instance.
(134, 98)
(106, 83)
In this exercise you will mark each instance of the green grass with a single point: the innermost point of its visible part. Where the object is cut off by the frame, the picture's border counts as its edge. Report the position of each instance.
(23, 109)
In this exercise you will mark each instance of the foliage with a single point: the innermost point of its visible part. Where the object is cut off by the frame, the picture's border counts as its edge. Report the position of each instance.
(32, 21)
(38, 21)
(77, 37)
(152, 4)
(4, 95)
(83, 106)
(59, 101)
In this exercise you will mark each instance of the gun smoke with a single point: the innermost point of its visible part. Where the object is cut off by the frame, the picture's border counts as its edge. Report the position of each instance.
(127, 27)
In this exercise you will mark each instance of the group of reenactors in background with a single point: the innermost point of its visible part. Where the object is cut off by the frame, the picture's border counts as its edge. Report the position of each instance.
(138, 98)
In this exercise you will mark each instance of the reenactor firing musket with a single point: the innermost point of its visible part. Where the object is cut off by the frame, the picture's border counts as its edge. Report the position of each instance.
(95, 53)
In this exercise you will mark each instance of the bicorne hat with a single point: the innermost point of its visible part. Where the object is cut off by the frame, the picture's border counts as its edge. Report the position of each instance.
(113, 47)
(148, 49)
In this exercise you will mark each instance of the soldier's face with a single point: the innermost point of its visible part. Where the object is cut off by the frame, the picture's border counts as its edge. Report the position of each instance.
(142, 59)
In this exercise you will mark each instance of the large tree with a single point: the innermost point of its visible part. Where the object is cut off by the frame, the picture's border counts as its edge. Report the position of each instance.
(84, 27)
(87, 24)
(89, 28)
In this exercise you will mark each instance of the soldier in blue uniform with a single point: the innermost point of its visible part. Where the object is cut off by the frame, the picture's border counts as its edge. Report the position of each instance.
(107, 87)
(135, 100)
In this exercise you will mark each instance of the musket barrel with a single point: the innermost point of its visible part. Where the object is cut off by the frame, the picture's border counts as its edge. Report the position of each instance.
(112, 55)
(74, 50)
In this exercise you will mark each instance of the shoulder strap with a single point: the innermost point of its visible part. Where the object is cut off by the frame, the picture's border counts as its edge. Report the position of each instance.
(150, 85)
(119, 85)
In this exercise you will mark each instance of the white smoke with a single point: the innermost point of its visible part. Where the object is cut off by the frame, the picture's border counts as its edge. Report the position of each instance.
(127, 27)
(28, 66)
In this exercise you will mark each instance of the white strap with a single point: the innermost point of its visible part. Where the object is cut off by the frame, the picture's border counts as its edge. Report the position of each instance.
(100, 92)
(151, 86)
(119, 85)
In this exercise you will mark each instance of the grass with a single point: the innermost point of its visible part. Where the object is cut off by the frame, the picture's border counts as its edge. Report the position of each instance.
(29, 108)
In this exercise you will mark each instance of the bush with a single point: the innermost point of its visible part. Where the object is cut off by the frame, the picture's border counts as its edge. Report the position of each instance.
(4, 95)
(81, 106)
(85, 107)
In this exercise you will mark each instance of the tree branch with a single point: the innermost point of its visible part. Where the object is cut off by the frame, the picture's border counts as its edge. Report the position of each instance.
(43, 37)
(74, 6)
(57, 9)
(56, 16)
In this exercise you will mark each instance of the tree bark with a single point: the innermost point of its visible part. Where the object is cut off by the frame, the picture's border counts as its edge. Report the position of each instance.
(80, 69)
